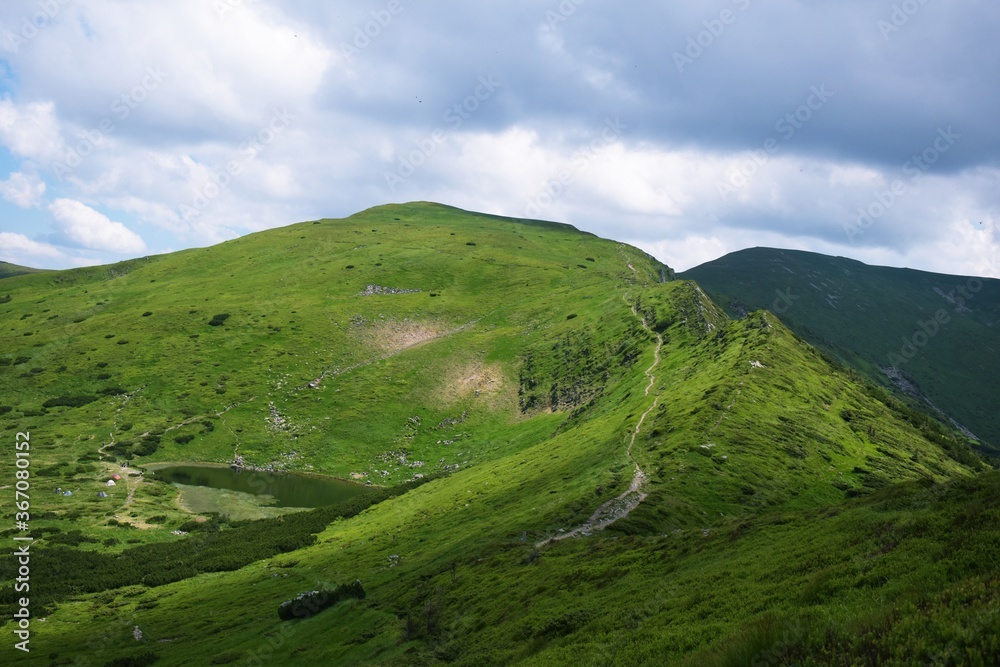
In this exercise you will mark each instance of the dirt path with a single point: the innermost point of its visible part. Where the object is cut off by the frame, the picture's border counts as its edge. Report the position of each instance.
(622, 505)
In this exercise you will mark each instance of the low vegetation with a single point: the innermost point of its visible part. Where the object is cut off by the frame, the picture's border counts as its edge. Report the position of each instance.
(495, 399)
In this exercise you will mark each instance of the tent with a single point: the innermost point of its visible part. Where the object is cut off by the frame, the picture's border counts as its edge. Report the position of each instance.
(102, 495)
(111, 482)
(116, 477)
(67, 493)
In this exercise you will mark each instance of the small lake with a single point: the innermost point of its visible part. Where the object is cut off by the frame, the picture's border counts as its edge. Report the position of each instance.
(274, 490)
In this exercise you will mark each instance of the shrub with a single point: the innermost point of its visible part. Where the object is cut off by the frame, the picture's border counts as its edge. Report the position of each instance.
(136, 661)
(218, 320)
(183, 439)
(147, 313)
(69, 401)
(310, 603)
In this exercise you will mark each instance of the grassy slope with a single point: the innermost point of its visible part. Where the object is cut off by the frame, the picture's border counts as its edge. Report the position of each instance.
(753, 440)
(7, 270)
(863, 313)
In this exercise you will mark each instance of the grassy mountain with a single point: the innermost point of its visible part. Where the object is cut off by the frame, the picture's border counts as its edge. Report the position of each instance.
(572, 456)
(934, 337)
(7, 270)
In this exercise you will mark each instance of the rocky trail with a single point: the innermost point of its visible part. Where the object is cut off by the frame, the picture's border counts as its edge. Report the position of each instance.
(622, 505)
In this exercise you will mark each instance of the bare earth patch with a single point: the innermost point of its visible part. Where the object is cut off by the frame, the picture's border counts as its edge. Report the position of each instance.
(391, 336)
(474, 380)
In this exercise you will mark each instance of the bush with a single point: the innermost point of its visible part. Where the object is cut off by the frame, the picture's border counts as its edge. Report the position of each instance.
(183, 439)
(310, 603)
(69, 401)
(218, 320)
(147, 313)
(136, 661)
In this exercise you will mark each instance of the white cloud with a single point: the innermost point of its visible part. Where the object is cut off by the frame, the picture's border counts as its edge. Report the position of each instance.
(86, 227)
(22, 190)
(222, 73)
(19, 249)
(30, 130)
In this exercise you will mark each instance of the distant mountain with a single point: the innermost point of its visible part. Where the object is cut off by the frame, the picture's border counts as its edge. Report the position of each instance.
(563, 455)
(7, 270)
(932, 336)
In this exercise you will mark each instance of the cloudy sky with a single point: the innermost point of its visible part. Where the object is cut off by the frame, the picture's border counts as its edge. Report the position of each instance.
(863, 128)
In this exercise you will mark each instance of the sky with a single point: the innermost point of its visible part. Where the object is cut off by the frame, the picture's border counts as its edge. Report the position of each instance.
(862, 128)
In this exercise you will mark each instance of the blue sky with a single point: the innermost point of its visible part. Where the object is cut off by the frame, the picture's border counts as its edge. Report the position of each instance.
(690, 129)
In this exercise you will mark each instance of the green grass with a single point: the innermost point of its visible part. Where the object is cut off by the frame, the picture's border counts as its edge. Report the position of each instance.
(786, 498)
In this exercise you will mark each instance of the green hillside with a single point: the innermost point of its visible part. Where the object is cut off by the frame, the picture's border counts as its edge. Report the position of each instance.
(933, 337)
(7, 270)
(570, 456)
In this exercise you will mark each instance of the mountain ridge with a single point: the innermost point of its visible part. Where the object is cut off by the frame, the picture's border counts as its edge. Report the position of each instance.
(504, 383)
(930, 335)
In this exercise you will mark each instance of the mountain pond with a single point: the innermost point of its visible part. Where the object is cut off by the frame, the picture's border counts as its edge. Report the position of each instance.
(251, 493)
